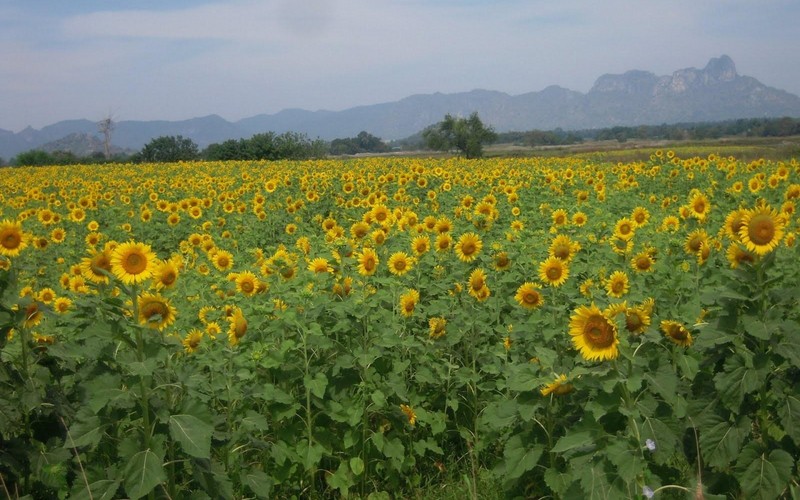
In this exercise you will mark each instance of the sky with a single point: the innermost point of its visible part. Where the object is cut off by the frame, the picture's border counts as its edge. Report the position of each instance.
(175, 60)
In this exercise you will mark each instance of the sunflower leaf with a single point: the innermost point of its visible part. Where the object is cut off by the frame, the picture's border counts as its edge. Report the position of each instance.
(193, 434)
(143, 473)
(763, 476)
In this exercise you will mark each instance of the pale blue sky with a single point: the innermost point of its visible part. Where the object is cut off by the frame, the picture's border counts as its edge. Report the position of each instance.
(173, 60)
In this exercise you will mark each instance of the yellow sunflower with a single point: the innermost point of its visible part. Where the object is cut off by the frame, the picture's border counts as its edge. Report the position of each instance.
(420, 245)
(247, 283)
(529, 296)
(155, 311)
(737, 255)
(409, 413)
(12, 239)
(165, 274)
(222, 260)
(238, 327)
(97, 266)
(559, 387)
(553, 271)
(642, 262)
(408, 301)
(593, 334)
(501, 261)
(436, 327)
(617, 284)
(400, 263)
(677, 333)
(762, 229)
(624, 229)
(132, 262)
(695, 241)
(468, 247)
(700, 206)
(564, 248)
(637, 319)
(443, 242)
(191, 342)
(367, 262)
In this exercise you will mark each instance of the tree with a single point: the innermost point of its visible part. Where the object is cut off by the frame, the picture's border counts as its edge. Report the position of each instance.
(168, 148)
(364, 142)
(466, 135)
(106, 127)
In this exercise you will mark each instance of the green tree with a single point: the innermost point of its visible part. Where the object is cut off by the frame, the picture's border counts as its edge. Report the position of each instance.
(168, 149)
(466, 135)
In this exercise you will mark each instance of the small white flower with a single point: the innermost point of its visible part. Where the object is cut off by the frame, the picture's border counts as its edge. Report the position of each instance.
(651, 445)
(648, 491)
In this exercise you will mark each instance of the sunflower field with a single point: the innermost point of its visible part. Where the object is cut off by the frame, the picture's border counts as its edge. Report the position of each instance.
(381, 327)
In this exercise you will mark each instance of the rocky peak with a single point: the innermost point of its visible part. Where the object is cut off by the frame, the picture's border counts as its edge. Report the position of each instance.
(630, 82)
(721, 69)
(718, 70)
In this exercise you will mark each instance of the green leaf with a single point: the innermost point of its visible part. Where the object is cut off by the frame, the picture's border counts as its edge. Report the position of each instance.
(756, 328)
(763, 476)
(520, 458)
(663, 382)
(87, 432)
(317, 384)
(736, 381)
(557, 481)
(193, 434)
(789, 413)
(143, 473)
(99, 490)
(357, 465)
(259, 483)
(573, 440)
(379, 398)
(500, 414)
(393, 448)
(341, 479)
(720, 441)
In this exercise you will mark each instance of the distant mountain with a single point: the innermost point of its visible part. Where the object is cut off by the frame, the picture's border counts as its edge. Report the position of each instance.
(714, 93)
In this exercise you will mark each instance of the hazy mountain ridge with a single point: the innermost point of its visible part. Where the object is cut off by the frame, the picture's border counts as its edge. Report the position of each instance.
(714, 93)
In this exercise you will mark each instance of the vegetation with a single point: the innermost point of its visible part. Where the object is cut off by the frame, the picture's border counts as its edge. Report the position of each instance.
(167, 148)
(267, 146)
(521, 327)
(465, 135)
(364, 142)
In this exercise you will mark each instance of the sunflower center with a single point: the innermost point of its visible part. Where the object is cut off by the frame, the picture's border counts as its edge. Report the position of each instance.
(222, 261)
(554, 272)
(561, 252)
(618, 286)
(633, 322)
(761, 229)
(369, 263)
(598, 332)
(11, 240)
(468, 248)
(100, 264)
(678, 333)
(531, 298)
(247, 286)
(168, 278)
(643, 263)
(135, 263)
(400, 265)
(155, 308)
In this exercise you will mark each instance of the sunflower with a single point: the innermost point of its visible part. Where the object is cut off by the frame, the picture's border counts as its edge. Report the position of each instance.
(477, 280)
(443, 242)
(238, 327)
(695, 241)
(155, 311)
(46, 295)
(400, 263)
(553, 271)
(501, 261)
(58, 235)
(320, 265)
(62, 305)
(617, 284)
(33, 315)
(558, 387)
(97, 266)
(593, 334)
(12, 239)
(677, 333)
(736, 255)
(247, 283)
(762, 229)
(165, 274)
(222, 260)
(408, 302)
(579, 219)
(468, 247)
(420, 245)
(359, 230)
(132, 262)
(637, 319)
(528, 296)
(367, 262)
(409, 413)
(699, 206)
(437, 327)
(642, 262)
(624, 229)
(562, 247)
(192, 340)
(640, 216)
(559, 217)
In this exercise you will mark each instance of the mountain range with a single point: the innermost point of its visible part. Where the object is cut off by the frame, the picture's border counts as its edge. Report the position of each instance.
(714, 93)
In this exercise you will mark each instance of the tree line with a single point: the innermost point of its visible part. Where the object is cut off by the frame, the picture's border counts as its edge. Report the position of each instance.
(464, 136)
